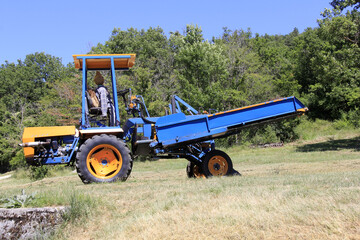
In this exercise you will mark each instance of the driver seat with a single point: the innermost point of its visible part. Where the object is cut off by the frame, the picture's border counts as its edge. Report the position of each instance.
(93, 102)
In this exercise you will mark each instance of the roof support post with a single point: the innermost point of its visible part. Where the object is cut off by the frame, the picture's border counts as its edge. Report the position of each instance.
(84, 83)
(114, 90)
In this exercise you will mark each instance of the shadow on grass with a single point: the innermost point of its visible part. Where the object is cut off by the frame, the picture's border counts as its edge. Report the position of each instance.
(332, 145)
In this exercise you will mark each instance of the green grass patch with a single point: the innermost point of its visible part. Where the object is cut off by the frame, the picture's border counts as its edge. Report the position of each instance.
(35, 173)
(319, 129)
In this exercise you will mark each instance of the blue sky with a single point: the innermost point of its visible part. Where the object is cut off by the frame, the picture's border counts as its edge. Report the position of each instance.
(63, 28)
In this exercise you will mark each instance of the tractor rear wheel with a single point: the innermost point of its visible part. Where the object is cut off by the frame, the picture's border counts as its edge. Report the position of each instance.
(216, 163)
(194, 171)
(103, 158)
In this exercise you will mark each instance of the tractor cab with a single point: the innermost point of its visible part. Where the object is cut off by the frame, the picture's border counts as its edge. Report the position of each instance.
(93, 116)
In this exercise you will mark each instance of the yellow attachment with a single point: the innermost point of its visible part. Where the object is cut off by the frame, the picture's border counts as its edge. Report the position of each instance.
(302, 110)
(31, 133)
(104, 63)
(132, 104)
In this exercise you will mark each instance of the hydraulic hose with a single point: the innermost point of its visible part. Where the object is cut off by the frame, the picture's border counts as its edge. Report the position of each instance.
(141, 114)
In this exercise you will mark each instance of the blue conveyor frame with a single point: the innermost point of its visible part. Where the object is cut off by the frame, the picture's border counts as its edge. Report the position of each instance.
(178, 130)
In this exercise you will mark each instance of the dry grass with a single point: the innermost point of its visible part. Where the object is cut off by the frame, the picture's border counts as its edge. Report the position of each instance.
(301, 191)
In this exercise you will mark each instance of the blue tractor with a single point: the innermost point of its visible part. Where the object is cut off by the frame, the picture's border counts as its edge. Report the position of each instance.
(103, 151)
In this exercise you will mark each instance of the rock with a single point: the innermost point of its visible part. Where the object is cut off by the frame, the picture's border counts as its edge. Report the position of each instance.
(28, 223)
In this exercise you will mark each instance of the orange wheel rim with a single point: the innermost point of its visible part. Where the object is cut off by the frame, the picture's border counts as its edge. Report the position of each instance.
(104, 161)
(218, 166)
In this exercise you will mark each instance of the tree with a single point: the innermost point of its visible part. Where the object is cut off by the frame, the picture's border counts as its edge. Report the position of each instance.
(329, 65)
(201, 70)
(342, 4)
(23, 86)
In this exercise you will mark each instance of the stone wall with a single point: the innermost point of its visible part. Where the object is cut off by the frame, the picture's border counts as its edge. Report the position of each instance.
(28, 223)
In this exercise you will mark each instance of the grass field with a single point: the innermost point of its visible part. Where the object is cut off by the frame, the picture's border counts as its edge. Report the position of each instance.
(305, 190)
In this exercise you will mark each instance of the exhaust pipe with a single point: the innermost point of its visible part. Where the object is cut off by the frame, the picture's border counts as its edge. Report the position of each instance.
(33, 144)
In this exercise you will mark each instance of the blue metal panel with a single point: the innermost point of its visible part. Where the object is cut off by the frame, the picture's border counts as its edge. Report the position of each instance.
(184, 128)
(177, 118)
(68, 139)
(130, 123)
(178, 128)
(192, 137)
(170, 119)
(147, 130)
(54, 160)
(251, 114)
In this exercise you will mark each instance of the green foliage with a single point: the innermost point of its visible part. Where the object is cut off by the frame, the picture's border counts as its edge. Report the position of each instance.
(329, 65)
(354, 117)
(18, 161)
(201, 70)
(17, 201)
(342, 4)
(38, 172)
(277, 54)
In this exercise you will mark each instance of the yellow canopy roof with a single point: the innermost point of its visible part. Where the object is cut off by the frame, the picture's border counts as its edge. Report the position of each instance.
(104, 63)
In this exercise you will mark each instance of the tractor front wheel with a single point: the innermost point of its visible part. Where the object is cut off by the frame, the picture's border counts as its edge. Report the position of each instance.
(103, 158)
(216, 163)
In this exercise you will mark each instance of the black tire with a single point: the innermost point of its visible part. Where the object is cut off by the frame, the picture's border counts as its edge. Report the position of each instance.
(131, 163)
(103, 158)
(190, 170)
(217, 163)
(194, 171)
(235, 173)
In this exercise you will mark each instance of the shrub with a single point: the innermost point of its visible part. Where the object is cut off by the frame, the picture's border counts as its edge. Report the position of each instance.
(38, 172)
(19, 160)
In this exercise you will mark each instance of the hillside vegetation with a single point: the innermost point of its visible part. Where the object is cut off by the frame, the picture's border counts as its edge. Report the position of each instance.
(320, 66)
